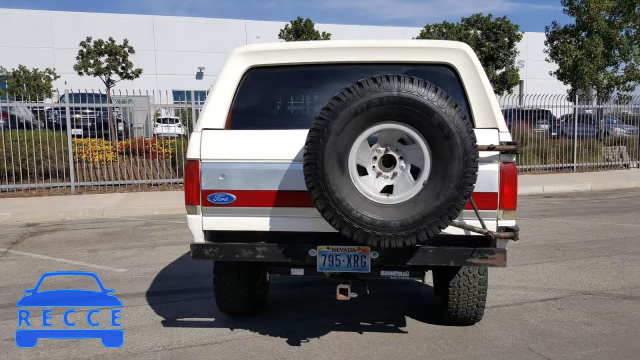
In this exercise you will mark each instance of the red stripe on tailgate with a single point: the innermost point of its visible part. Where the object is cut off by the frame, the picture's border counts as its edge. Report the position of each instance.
(262, 198)
(484, 201)
(275, 198)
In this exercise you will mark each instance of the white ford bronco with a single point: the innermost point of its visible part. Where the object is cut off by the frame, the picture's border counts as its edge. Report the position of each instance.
(353, 160)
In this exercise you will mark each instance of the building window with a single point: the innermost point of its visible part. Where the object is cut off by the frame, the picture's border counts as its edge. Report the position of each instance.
(184, 96)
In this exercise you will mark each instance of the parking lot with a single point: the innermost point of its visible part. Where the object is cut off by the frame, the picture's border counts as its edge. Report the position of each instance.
(571, 291)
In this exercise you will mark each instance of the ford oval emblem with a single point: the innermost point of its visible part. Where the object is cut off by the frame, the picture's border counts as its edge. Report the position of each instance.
(221, 198)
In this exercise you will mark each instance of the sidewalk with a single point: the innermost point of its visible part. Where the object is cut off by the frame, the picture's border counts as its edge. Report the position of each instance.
(102, 206)
(571, 182)
(98, 206)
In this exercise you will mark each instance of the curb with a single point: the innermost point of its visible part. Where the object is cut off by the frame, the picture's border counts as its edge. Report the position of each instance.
(88, 214)
(527, 190)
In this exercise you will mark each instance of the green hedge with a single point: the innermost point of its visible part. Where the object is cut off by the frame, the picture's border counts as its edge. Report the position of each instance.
(30, 156)
(37, 156)
(541, 149)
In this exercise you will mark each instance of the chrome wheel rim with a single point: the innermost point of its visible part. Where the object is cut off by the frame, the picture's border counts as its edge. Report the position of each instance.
(389, 163)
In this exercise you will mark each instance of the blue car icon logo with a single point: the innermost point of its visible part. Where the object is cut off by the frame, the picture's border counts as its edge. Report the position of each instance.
(27, 337)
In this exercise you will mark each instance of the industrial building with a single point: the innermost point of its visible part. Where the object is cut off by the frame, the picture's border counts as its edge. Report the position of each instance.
(180, 54)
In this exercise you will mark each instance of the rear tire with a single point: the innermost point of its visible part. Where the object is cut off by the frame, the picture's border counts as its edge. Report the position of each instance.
(240, 288)
(461, 293)
(424, 183)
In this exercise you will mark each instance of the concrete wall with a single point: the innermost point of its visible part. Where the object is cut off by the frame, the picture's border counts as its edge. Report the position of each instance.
(170, 49)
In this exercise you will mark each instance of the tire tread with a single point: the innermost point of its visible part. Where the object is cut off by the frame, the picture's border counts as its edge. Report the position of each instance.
(461, 293)
(240, 288)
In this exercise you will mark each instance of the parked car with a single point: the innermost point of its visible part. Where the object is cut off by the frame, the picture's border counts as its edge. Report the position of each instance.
(16, 116)
(169, 126)
(593, 126)
(89, 116)
(587, 126)
(538, 120)
(612, 126)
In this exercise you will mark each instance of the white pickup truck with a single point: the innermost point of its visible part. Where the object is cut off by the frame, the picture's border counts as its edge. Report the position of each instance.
(353, 160)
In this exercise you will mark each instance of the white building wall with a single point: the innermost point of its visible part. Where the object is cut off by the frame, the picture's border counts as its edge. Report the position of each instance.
(170, 49)
(535, 69)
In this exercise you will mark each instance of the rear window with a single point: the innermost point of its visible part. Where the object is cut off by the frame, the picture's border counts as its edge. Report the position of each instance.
(538, 116)
(168, 121)
(277, 98)
(586, 119)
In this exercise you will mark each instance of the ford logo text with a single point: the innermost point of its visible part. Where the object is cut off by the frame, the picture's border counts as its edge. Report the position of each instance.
(221, 198)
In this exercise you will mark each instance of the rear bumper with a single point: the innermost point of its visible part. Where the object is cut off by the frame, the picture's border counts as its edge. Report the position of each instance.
(299, 255)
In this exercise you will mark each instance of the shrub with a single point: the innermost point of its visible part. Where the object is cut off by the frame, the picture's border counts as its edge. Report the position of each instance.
(33, 156)
(96, 151)
(148, 148)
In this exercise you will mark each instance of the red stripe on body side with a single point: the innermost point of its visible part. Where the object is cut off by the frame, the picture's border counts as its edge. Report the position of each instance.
(293, 199)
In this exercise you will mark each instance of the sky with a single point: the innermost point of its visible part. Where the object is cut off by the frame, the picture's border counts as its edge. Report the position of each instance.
(531, 15)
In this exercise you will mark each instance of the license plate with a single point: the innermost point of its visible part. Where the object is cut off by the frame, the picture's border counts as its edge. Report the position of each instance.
(76, 131)
(352, 259)
(120, 127)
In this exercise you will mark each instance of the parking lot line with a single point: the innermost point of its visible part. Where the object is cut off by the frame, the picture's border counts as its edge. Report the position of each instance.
(66, 261)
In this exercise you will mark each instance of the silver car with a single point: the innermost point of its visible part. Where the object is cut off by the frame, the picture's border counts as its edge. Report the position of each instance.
(612, 126)
(17, 116)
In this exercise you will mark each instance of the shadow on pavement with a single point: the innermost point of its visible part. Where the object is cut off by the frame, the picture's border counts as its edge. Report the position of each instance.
(298, 309)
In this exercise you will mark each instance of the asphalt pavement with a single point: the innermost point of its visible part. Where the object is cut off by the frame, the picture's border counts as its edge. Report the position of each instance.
(571, 291)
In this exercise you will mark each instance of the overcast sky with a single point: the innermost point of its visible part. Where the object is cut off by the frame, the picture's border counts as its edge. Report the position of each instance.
(531, 15)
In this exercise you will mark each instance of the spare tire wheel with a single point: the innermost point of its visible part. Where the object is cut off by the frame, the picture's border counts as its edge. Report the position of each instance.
(390, 161)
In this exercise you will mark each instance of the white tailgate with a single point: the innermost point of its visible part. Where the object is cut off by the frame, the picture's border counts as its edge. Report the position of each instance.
(258, 166)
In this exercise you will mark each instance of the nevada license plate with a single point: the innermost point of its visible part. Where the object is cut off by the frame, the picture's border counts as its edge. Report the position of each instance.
(76, 131)
(352, 259)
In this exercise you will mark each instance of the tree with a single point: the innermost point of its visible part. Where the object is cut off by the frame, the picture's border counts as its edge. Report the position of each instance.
(301, 30)
(4, 77)
(600, 51)
(494, 40)
(26, 84)
(108, 61)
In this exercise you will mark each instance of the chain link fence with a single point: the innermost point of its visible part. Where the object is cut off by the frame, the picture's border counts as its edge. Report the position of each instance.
(82, 141)
(86, 141)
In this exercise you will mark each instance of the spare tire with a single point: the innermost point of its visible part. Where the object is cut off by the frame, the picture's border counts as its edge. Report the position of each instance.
(390, 161)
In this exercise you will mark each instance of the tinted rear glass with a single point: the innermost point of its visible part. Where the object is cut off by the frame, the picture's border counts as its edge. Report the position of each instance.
(291, 97)
(538, 116)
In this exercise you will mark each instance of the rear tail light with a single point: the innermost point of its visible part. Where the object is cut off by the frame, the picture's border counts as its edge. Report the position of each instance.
(508, 187)
(192, 186)
(5, 115)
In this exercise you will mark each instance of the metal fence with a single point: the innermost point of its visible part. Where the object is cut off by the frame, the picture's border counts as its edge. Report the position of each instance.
(558, 133)
(69, 144)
